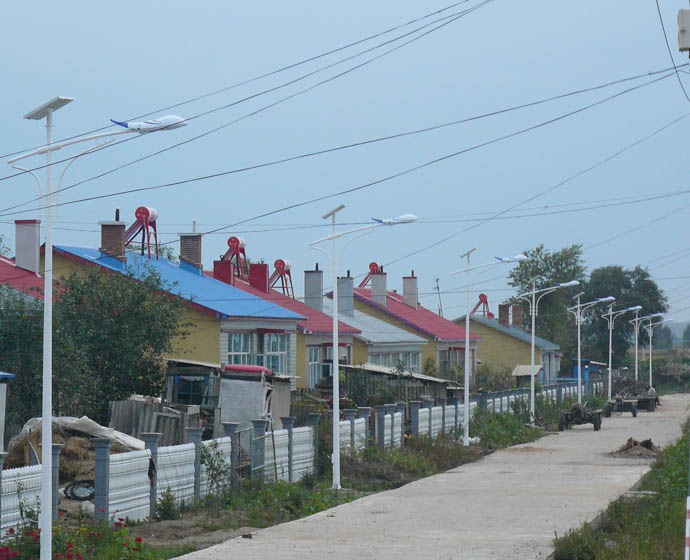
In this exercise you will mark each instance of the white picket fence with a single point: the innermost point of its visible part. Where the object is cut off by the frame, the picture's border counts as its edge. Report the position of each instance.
(302, 452)
(360, 434)
(276, 465)
(21, 489)
(129, 485)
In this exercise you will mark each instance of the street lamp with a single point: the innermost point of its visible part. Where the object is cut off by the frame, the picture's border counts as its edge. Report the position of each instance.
(335, 370)
(636, 323)
(577, 311)
(611, 319)
(468, 289)
(533, 300)
(651, 326)
(46, 111)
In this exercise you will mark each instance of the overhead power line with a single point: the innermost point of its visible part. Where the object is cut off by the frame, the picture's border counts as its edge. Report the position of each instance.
(255, 78)
(368, 184)
(446, 21)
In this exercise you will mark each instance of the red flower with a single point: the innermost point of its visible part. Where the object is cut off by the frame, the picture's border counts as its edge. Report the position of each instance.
(69, 545)
(138, 539)
(70, 555)
(101, 509)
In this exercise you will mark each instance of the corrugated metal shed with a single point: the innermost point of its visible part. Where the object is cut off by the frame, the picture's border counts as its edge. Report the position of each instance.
(188, 283)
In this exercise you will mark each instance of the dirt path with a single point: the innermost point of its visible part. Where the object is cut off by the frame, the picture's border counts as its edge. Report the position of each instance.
(506, 506)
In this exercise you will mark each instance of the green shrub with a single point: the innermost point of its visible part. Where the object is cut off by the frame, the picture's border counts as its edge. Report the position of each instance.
(166, 506)
(497, 430)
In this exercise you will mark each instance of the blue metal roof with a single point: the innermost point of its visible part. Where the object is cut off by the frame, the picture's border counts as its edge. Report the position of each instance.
(189, 283)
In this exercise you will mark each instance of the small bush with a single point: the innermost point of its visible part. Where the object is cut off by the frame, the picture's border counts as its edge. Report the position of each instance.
(497, 430)
(166, 507)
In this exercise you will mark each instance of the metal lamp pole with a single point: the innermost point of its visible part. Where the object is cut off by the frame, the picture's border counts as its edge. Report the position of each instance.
(577, 311)
(651, 327)
(45, 520)
(611, 319)
(533, 300)
(404, 219)
(468, 290)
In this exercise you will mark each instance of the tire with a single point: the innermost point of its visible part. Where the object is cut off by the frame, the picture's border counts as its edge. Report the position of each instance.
(650, 405)
(634, 410)
(597, 422)
(562, 424)
(607, 410)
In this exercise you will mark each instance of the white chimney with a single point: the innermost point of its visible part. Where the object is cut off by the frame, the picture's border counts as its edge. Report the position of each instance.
(410, 294)
(378, 288)
(27, 244)
(313, 288)
(346, 300)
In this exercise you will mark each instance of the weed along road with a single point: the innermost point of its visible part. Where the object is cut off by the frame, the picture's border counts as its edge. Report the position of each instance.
(506, 506)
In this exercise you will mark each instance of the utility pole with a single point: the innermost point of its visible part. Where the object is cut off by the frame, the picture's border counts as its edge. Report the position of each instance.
(440, 305)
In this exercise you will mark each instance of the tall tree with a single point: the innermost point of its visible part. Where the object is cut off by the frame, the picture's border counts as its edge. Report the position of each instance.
(109, 335)
(547, 268)
(630, 287)
(686, 336)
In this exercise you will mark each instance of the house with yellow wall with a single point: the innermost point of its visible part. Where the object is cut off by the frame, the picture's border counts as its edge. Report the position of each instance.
(506, 344)
(444, 340)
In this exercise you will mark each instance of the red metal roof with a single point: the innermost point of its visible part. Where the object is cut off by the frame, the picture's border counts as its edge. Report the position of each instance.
(421, 318)
(247, 368)
(316, 322)
(20, 278)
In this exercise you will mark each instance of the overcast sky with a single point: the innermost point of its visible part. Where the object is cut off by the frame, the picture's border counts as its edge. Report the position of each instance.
(126, 59)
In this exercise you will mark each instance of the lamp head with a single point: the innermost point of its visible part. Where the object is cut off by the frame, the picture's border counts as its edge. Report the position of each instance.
(570, 284)
(609, 299)
(634, 308)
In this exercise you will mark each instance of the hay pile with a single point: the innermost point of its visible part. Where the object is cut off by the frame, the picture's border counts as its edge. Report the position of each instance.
(76, 457)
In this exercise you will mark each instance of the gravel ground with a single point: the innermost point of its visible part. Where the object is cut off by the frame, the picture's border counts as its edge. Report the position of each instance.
(507, 505)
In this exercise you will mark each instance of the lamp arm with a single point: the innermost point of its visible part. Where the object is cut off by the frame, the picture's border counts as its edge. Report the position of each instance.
(40, 186)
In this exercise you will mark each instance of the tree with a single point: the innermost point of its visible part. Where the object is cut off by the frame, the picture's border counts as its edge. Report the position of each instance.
(110, 332)
(4, 249)
(630, 288)
(686, 336)
(662, 338)
(553, 321)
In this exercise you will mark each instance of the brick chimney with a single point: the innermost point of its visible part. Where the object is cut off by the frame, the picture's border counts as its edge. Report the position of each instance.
(258, 276)
(224, 271)
(410, 290)
(378, 287)
(190, 249)
(504, 314)
(27, 244)
(517, 316)
(346, 299)
(313, 288)
(113, 239)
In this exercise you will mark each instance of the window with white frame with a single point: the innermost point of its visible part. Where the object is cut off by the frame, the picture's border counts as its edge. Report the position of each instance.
(408, 360)
(275, 352)
(314, 366)
(239, 348)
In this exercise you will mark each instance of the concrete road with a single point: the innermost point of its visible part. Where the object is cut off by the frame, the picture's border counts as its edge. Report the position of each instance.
(506, 506)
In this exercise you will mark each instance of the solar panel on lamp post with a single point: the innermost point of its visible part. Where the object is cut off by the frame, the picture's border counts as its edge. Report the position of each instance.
(46, 111)
(468, 288)
(335, 370)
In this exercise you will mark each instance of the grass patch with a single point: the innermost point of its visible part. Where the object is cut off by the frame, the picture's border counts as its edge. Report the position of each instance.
(498, 430)
(648, 528)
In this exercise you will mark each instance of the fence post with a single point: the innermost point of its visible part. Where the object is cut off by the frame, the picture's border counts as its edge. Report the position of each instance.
(456, 425)
(442, 404)
(380, 424)
(231, 432)
(428, 403)
(288, 424)
(194, 436)
(482, 399)
(313, 421)
(258, 452)
(365, 412)
(151, 440)
(414, 416)
(55, 477)
(102, 478)
(559, 393)
(349, 415)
